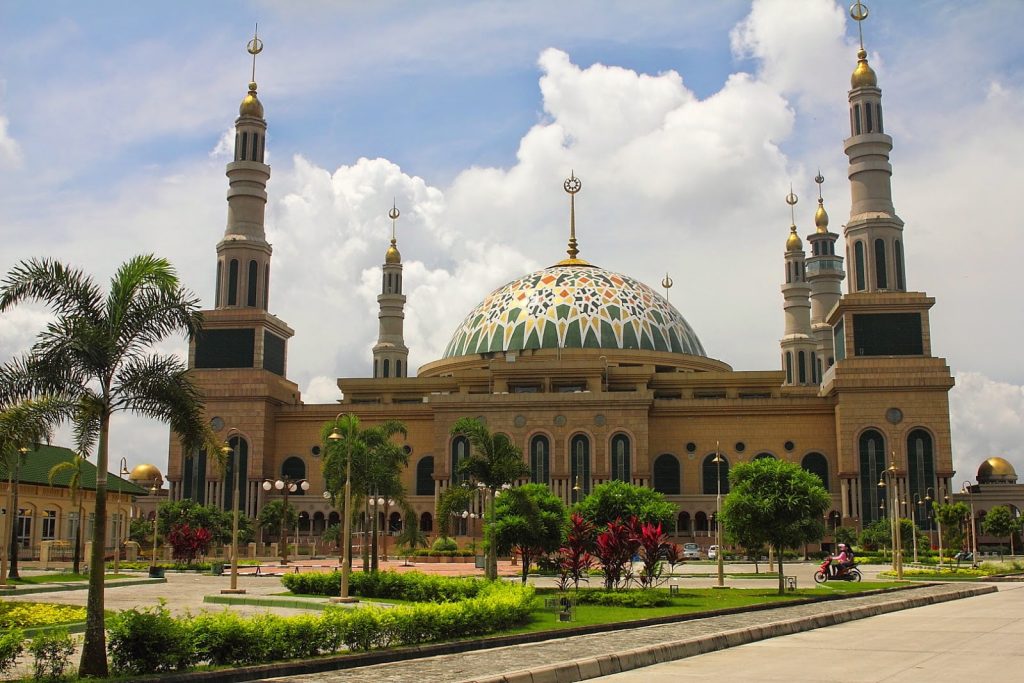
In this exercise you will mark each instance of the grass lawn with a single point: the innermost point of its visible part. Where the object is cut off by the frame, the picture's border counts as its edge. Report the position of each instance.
(65, 578)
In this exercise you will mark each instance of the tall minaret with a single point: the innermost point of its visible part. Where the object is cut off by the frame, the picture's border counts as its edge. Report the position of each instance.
(798, 347)
(874, 234)
(390, 354)
(825, 275)
(243, 255)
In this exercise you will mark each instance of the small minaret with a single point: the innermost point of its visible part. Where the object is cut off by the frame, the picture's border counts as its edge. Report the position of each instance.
(243, 255)
(390, 354)
(798, 347)
(874, 233)
(825, 275)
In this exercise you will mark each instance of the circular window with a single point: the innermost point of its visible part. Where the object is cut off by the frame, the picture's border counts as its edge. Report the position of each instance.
(740, 446)
(691, 447)
(407, 449)
(315, 451)
(894, 415)
(217, 424)
(520, 421)
(600, 420)
(559, 420)
(788, 445)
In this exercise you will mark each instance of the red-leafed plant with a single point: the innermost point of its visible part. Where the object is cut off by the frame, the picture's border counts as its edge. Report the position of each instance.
(674, 555)
(188, 543)
(615, 548)
(654, 549)
(574, 558)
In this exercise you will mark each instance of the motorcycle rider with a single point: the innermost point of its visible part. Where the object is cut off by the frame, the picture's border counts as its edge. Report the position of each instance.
(841, 562)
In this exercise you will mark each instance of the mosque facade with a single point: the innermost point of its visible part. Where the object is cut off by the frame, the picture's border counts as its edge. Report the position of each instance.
(595, 375)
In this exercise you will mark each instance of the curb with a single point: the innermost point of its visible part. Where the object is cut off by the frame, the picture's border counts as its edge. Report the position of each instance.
(579, 670)
(63, 587)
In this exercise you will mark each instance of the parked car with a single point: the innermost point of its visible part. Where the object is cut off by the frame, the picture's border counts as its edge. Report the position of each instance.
(712, 552)
(691, 551)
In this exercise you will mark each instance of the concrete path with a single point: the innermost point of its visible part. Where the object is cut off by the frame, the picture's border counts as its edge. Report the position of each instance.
(963, 640)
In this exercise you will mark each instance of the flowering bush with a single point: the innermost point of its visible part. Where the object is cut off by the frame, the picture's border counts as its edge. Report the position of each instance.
(29, 614)
(187, 542)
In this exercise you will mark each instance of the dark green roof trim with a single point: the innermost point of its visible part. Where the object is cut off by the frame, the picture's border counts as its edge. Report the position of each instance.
(35, 469)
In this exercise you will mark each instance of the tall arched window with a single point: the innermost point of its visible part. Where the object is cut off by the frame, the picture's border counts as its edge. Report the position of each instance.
(294, 468)
(220, 275)
(881, 279)
(387, 367)
(683, 522)
(540, 459)
(666, 474)
(425, 476)
(242, 446)
(193, 480)
(459, 451)
(233, 282)
(921, 462)
(398, 368)
(700, 521)
(789, 367)
(620, 458)
(715, 472)
(266, 286)
(858, 263)
(802, 366)
(871, 447)
(815, 463)
(579, 466)
(254, 276)
(897, 258)
(426, 522)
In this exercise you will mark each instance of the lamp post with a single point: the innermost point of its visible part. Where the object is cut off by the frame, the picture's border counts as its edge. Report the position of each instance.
(718, 516)
(969, 490)
(913, 523)
(285, 485)
(153, 569)
(346, 516)
(118, 522)
(897, 546)
(377, 503)
(225, 449)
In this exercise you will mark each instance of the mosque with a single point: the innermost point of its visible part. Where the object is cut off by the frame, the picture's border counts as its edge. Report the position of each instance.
(594, 374)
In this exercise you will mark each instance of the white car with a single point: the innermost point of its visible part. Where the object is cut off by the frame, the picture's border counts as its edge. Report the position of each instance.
(691, 551)
(713, 552)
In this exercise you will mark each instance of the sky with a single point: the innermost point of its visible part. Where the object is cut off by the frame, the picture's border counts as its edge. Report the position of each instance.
(686, 120)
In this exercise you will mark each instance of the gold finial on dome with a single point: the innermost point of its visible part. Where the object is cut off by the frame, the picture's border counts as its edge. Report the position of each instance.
(793, 242)
(572, 185)
(820, 216)
(667, 284)
(863, 76)
(392, 255)
(251, 105)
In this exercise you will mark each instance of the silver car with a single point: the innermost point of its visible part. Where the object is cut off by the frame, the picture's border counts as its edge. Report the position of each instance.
(691, 551)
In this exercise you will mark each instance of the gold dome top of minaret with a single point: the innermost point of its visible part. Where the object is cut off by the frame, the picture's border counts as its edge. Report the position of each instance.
(392, 255)
(251, 105)
(863, 76)
(820, 216)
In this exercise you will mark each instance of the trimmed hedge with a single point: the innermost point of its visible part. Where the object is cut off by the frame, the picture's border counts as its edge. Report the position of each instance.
(152, 640)
(640, 598)
(411, 586)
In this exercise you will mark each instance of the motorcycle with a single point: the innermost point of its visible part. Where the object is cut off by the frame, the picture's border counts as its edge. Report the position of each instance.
(824, 574)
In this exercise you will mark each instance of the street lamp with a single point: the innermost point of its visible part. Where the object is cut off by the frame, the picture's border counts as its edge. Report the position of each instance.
(913, 522)
(225, 449)
(378, 504)
(718, 460)
(346, 515)
(897, 546)
(118, 522)
(969, 491)
(285, 485)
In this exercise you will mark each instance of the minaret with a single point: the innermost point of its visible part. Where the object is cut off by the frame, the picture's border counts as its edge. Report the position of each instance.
(390, 354)
(798, 347)
(243, 255)
(825, 275)
(874, 233)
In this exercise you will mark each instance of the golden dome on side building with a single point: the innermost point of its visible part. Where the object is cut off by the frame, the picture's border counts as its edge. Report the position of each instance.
(996, 471)
(147, 474)
(251, 105)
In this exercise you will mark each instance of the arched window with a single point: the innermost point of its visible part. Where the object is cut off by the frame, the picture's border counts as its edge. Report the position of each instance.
(254, 274)
(815, 378)
(815, 463)
(871, 447)
(241, 446)
(870, 119)
(216, 292)
(294, 469)
(764, 456)
(802, 366)
(333, 518)
(540, 459)
(459, 451)
(425, 476)
(426, 522)
(700, 522)
(245, 146)
(318, 523)
(881, 279)
(921, 464)
(666, 474)
(858, 263)
(394, 523)
(715, 472)
(266, 286)
(683, 523)
(789, 367)
(387, 367)
(376, 368)
(398, 368)
(856, 119)
(620, 458)
(579, 466)
(193, 480)
(233, 283)
(897, 258)
(878, 110)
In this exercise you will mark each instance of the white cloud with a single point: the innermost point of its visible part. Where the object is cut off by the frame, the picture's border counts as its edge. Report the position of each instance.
(10, 151)
(321, 389)
(987, 419)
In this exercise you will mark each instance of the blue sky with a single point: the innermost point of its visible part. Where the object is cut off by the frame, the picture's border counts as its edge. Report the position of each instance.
(687, 121)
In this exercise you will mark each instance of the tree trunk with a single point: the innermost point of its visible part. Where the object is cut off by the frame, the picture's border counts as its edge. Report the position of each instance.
(364, 525)
(94, 648)
(76, 552)
(525, 555)
(492, 551)
(782, 580)
(12, 549)
(6, 525)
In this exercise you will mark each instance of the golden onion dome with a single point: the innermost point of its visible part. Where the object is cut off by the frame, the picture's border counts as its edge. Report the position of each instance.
(793, 242)
(251, 105)
(863, 76)
(392, 255)
(821, 217)
(145, 472)
(996, 470)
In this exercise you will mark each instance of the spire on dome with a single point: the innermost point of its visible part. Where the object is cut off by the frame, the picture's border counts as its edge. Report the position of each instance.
(572, 185)
(820, 216)
(793, 242)
(392, 255)
(251, 105)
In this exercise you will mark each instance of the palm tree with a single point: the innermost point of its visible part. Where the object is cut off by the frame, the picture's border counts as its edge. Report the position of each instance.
(73, 467)
(23, 424)
(494, 462)
(98, 350)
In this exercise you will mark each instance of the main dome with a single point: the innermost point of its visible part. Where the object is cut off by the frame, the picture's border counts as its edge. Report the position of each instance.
(573, 306)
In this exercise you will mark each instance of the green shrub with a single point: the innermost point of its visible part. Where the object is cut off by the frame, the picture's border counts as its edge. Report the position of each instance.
(51, 655)
(413, 586)
(443, 543)
(639, 598)
(11, 646)
(29, 614)
(149, 641)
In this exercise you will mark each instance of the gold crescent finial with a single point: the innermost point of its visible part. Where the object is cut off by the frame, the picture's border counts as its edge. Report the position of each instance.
(819, 179)
(667, 283)
(572, 185)
(254, 47)
(393, 214)
(792, 199)
(859, 12)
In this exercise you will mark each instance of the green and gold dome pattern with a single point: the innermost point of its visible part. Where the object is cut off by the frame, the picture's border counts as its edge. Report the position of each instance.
(574, 307)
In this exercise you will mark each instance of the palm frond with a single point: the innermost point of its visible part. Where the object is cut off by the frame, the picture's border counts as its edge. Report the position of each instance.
(159, 387)
(67, 291)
